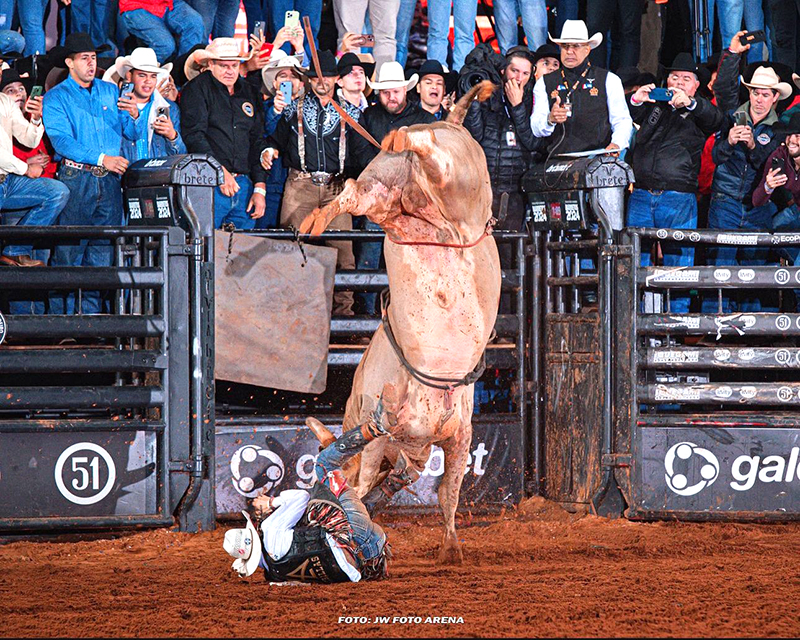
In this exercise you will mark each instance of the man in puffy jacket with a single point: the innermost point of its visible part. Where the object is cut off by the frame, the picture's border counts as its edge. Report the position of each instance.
(502, 126)
(741, 149)
(666, 159)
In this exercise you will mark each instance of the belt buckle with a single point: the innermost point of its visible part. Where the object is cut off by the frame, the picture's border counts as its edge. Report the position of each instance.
(321, 178)
(99, 172)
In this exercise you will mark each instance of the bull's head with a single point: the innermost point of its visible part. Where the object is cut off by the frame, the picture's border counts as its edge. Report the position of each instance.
(429, 183)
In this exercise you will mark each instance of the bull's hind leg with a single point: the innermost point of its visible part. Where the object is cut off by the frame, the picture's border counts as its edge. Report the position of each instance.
(456, 451)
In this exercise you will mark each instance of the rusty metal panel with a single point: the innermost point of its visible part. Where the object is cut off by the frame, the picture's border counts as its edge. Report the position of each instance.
(573, 396)
(271, 310)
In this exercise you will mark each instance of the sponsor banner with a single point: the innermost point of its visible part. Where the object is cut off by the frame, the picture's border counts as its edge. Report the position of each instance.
(717, 470)
(720, 277)
(66, 474)
(251, 459)
(757, 393)
(738, 324)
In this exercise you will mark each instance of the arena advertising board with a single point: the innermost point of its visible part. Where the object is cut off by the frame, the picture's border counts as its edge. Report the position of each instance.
(46, 474)
(250, 459)
(717, 470)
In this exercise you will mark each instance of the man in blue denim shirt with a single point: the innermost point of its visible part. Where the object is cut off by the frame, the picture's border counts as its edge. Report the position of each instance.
(322, 535)
(86, 121)
(158, 126)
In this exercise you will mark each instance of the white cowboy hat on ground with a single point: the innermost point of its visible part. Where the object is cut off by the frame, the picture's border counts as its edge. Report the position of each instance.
(766, 78)
(392, 76)
(245, 546)
(278, 61)
(575, 32)
(219, 49)
(141, 59)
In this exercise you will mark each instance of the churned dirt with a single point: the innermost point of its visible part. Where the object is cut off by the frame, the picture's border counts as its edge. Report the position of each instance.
(535, 572)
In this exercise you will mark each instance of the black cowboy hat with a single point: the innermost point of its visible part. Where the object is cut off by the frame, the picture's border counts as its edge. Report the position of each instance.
(683, 62)
(327, 64)
(77, 42)
(435, 68)
(633, 77)
(10, 76)
(547, 50)
(350, 60)
(790, 127)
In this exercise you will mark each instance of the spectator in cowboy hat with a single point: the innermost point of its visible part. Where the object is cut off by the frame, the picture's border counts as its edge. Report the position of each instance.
(546, 59)
(281, 68)
(222, 116)
(317, 166)
(666, 160)
(740, 153)
(157, 23)
(86, 120)
(353, 73)
(435, 82)
(158, 127)
(586, 103)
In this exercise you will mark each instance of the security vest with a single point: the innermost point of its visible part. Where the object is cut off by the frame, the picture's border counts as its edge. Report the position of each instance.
(588, 127)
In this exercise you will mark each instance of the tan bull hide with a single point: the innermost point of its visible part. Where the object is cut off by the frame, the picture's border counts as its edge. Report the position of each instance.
(272, 313)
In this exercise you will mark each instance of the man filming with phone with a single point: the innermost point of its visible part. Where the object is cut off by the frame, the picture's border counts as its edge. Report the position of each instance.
(158, 119)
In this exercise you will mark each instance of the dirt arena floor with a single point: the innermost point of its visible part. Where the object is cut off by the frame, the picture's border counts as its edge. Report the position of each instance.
(536, 572)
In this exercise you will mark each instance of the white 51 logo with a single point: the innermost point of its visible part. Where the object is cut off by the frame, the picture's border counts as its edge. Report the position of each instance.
(679, 482)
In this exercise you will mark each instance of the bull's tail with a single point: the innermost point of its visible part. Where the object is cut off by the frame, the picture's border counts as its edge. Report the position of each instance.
(480, 92)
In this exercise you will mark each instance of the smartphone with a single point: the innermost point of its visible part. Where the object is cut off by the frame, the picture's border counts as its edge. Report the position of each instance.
(741, 119)
(259, 28)
(659, 94)
(777, 163)
(286, 90)
(367, 41)
(125, 89)
(36, 91)
(266, 50)
(162, 112)
(751, 37)
(292, 19)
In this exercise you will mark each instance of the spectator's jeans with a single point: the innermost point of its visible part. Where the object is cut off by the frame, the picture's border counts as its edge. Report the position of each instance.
(367, 535)
(43, 197)
(405, 18)
(785, 14)
(157, 33)
(11, 42)
(276, 183)
(233, 208)
(369, 258)
(565, 10)
(92, 201)
(600, 16)
(310, 8)
(534, 22)
(669, 210)
(94, 17)
(730, 21)
(350, 16)
(788, 220)
(219, 17)
(727, 213)
(464, 14)
(31, 19)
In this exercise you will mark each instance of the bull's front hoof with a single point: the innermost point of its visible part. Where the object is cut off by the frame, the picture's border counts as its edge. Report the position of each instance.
(450, 553)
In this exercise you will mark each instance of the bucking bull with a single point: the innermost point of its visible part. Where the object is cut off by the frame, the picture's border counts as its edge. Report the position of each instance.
(429, 190)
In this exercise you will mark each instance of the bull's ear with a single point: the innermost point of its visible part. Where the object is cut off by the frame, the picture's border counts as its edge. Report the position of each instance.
(413, 198)
(424, 145)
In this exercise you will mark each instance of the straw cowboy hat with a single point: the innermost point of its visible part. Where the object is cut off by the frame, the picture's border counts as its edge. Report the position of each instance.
(140, 59)
(766, 78)
(392, 76)
(575, 32)
(279, 60)
(219, 49)
(245, 546)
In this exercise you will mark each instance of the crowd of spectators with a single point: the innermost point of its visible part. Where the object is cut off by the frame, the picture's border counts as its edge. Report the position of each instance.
(720, 149)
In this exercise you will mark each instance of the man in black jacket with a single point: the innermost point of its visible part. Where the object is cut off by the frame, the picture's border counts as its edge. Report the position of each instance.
(666, 159)
(502, 126)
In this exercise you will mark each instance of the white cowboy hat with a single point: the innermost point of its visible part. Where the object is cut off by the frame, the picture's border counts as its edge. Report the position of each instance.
(245, 546)
(392, 76)
(766, 78)
(575, 32)
(278, 61)
(141, 59)
(219, 49)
